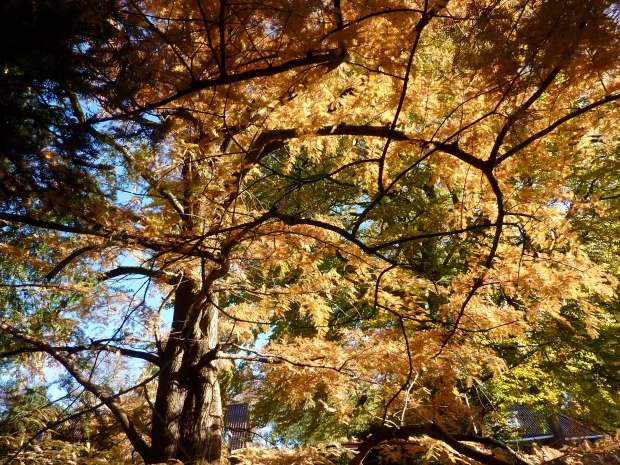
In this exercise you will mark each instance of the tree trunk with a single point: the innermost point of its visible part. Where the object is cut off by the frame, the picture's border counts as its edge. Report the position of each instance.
(558, 435)
(187, 418)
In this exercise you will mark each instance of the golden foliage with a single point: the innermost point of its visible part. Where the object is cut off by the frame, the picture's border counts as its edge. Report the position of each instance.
(384, 191)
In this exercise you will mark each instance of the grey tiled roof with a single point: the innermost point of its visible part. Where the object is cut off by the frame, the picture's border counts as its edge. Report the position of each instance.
(534, 425)
(237, 424)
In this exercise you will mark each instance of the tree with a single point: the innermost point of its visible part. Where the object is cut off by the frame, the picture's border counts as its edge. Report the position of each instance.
(381, 187)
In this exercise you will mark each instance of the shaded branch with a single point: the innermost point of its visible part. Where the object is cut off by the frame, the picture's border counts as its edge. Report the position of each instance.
(519, 111)
(225, 80)
(551, 127)
(388, 433)
(479, 281)
(58, 268)
(51, 426)
(269, 141)
(369, 16)
(184, 246)
(248, 358)
(12, 217)
(146, 175)
(492, 442)
(137, 270)
(453, 149)
(426, 16)
(418, 237)
(95, 346)
(338, 15)
(291, 220)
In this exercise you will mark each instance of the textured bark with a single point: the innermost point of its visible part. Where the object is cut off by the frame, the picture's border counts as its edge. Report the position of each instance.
(187, 419)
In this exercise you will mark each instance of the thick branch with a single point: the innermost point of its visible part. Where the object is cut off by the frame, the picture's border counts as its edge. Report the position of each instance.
(551, 127)
(137, 270)
(249, 358)
(519, 111)
(388, 433)
(426, 16)
(95, 346)
(52, 225)
(296, 220)
(308, 60)
(151, 358)
(491, 442)
(269, 141)
(185, 247)
(58, 268)
(453, 149)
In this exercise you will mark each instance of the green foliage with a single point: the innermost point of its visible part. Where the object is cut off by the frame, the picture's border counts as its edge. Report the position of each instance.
(569, 365)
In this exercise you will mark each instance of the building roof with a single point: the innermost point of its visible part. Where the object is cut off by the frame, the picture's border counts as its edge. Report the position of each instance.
(237, 424)
(72, 430)
(534, 426)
